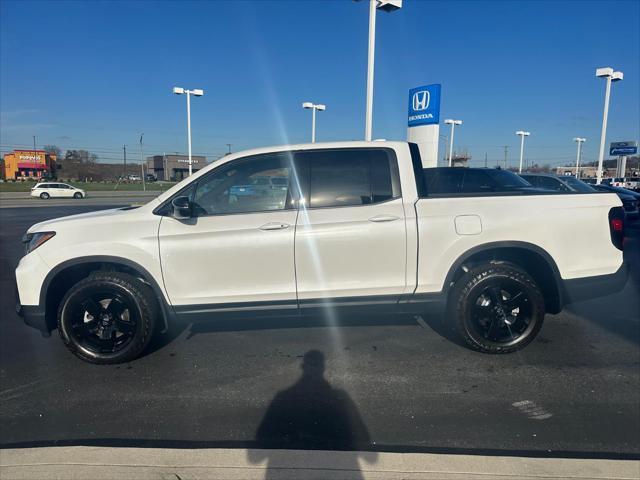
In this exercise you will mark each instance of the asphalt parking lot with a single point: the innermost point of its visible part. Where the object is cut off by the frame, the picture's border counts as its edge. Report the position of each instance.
(390, 383)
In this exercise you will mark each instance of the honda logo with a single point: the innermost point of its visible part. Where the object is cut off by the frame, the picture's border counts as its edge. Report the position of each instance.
(421, 100)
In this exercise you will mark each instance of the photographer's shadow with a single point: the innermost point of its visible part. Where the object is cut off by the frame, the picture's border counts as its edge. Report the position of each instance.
(312, 415)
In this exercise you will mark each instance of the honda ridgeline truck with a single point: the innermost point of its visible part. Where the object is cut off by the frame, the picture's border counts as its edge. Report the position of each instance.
(360, 226)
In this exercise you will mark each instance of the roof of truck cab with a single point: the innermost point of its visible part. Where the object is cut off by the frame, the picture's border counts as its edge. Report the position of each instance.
(314, 146)
(281, 148)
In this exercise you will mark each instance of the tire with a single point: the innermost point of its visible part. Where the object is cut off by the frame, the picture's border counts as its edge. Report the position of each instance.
(496, 308)
(44, 196)
(77, 195)
(108, 317)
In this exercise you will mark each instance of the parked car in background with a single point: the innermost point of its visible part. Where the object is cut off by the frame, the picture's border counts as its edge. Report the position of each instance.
(557, 183)
(46, 190)
(477, 181)
(630, 199)
(134, 178)
(632, 183)
(150, 177)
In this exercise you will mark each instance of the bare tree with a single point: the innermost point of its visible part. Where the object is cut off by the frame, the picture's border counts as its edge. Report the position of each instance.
(53, 150)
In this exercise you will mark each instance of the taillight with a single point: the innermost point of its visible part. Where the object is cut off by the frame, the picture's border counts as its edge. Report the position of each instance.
(616, 226)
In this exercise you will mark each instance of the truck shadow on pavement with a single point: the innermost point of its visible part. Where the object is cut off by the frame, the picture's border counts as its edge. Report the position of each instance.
(619, 313)
(313, 415)
(217, 325)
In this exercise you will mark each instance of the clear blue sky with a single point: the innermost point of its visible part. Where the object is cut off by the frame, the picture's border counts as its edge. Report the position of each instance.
(96, 74)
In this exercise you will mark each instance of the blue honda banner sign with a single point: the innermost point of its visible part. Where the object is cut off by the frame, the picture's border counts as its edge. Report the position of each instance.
(623, 148)
(424, 105)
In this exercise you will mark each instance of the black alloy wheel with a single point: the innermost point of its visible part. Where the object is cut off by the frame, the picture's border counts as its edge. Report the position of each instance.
(501, 313)
(107, 317)
(496, 308)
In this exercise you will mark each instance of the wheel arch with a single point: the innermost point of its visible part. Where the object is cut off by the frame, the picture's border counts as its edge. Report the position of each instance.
(536, 261)
(64, 275)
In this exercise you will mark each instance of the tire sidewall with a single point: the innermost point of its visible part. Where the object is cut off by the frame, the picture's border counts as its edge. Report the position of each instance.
(131, 350)
(77, 195)
(44, 196)
(473, 283)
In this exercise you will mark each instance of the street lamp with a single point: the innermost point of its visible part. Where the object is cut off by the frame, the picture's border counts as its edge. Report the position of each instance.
(453, 124)
(198, 93)
(522, 135)
(387, 6)
(313, 107)
(579, 141)
(611, 76)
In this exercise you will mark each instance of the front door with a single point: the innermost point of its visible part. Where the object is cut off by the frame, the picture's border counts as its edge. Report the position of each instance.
(237, 252)
(351, 236)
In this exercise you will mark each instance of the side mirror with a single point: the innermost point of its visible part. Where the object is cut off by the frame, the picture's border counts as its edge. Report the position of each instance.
(181, 208)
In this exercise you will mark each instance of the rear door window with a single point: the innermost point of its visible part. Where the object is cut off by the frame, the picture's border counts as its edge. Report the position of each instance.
(444, 181)
(550, 183)
(475, 181)
(350, 177)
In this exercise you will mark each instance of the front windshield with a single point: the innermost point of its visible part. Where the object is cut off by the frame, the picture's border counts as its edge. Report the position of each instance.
(507, 179)
(578, 185)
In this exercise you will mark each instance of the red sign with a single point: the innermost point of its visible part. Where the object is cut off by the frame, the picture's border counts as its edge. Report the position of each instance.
(32, 166)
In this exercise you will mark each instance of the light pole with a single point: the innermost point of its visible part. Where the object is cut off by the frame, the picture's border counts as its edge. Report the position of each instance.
(313, 107)
(198, 93)
(453, 124)
(144, 185)
(522, 135)
(387, 6)
(579, 141)
(611, 76)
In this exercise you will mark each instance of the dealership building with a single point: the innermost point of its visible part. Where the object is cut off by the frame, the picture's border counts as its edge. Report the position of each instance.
(27, 165)
(174, 167)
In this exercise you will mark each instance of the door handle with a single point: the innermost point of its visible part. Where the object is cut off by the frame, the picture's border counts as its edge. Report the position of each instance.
(274, 226)
(384, 218)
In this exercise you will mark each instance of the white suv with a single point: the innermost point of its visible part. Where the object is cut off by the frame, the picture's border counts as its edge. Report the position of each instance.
(48, 190)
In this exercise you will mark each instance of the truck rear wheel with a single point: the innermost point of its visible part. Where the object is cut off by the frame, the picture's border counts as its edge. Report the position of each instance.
(108, 317)
(496, 308)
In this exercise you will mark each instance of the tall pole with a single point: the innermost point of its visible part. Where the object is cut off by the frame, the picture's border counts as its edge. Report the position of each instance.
(124, 173)
(603, 134)
(35, 154)
(165, 175)
(453, 126)
(229, 146)
(144, 185)
(370, 65)
(313, 125)
(189, 129)
(521, 152)
(506, 149)
(485, 160)
(578, 155)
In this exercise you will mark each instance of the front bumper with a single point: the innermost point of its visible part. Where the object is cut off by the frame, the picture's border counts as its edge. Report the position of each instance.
(33, 315)
(579, 289)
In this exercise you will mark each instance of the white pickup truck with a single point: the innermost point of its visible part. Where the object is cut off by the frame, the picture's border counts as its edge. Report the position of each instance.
(345, 227)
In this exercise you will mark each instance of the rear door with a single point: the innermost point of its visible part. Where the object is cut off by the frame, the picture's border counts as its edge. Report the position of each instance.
(350, 234)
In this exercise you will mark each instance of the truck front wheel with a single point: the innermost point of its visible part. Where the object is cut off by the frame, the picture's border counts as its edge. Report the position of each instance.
(107, 317)
(496, 308)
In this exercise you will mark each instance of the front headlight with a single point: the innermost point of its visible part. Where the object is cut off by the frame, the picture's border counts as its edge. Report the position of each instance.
(34, 240)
